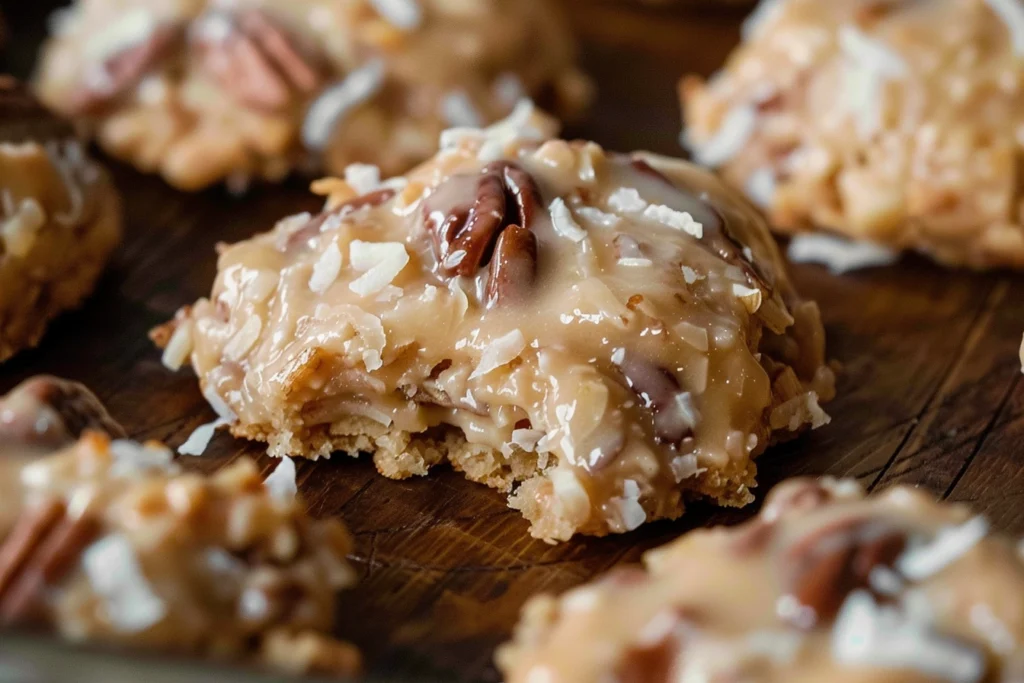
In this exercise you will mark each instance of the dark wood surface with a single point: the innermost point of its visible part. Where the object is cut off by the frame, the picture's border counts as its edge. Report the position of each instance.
(929, 394)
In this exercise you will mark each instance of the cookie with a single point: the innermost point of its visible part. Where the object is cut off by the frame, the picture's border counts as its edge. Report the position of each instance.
(894, 122)
(212, 90)
(824, 585)
(60, 219)
(110, 542)
(602, 336)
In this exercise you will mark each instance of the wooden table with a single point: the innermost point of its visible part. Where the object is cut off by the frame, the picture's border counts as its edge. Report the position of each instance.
(929, 395)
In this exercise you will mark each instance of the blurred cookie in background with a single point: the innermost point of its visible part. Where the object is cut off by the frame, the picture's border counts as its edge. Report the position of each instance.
(892, 122)
(60, 219)
(207, 91)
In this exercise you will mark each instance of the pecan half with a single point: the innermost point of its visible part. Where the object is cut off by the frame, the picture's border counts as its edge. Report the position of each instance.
(37, 553)
(837, 559)
(494, 228)
(121, 72)
(50, 412)
(660, 392)
(728, 248)
(257, 61)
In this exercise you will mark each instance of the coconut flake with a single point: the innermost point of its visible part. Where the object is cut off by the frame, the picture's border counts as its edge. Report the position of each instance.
(406, 15)
(1020, 353)
(627, 200)
(129, 29)
(695, 336)
(760, 187)
(750, 296)
(458, 110)
(522, 124)
(1012, 14)
(632, 512)
(871, 54)
(336, 101)
(508, 89)
(131, 458)
(500, 352)
(870, 635)
(680, 220)
(199, 440)
(281, 485)
(380, 263)
(837, 254)
(598, 217)
(733, 133)
(218, 404)
(690, 275)
(565, 225)
(363, 178)
(326, 269)
(527, 439)
(115, 574)
(179, 346)
(244, 339)
(685, 467)
(949, 545)
(765, 12)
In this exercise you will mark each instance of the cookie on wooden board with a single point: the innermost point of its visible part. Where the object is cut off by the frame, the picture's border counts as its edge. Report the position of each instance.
(887, 121)
(108, 541)
(603, 336)
(211, 90)
(824, 585)
(60, 219)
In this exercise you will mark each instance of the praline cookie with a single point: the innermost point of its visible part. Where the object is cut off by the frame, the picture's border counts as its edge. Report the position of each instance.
(895, 122)
(206, 90)
(60, 219)
(824, 585)
(603, 336)
(109, 541)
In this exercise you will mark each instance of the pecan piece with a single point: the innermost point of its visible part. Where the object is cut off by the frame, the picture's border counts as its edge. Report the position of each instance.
(50, 412)
(123, 71)
(465, 236)
(674, 414)
(513, 268)
(838, 559)
(257, 61)
(728, 248)
(37, 553)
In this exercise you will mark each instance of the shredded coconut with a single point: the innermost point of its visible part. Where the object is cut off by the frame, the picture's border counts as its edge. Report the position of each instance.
(733, 133)
(179, 346)
(870, 53)
(563, 222)
(380, 263)
(527, 439)
(459, 111)
(947, 547)
(114, 572)
(132, 458)
(680, 220)
(508, 88)
(837, 254)
(598, 217)
(685, 467)
(760, 187)
(627, 200)
(500, 352)
(364, 178)
(326, 269)
(404, 14)
(244, 339)
(218, 404)
(199, 440)
(335, 102)
(690, 275)
(765, 12)
(523, 123)
(129, 29)
(866, 634)
(695, 336)
(632, 512)
(1012, 14)
(750, 296)
(281, 483)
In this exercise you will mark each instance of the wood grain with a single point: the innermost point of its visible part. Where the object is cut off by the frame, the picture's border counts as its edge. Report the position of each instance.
(929, 394)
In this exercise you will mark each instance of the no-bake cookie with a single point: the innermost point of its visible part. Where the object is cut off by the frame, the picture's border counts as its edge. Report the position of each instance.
(824, 585)
(109, 541)
(60, 218)
(603, 336)
(207, 90)
(896, 122)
